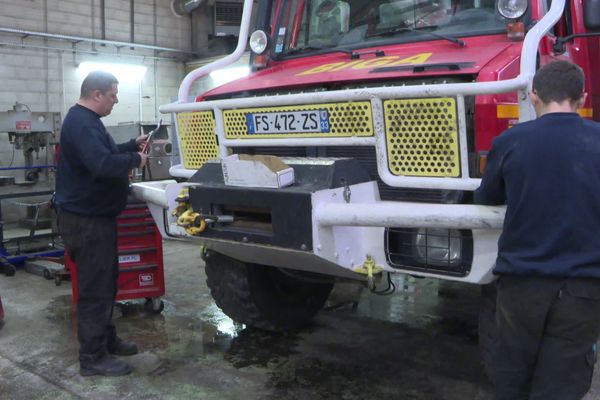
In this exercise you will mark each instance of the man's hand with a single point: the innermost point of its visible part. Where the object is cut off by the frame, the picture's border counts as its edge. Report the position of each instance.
(140, 141)
(144, 159)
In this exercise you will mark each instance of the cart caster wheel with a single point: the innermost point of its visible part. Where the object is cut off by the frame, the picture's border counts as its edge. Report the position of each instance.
(57, 280)
(8, 269)
(154, 305)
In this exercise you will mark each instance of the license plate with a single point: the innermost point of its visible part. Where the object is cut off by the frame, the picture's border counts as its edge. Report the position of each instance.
(309, 121)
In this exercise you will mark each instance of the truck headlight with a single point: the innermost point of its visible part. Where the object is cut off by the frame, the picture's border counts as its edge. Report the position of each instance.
(512, 9)
(258, 42)
(439, 247)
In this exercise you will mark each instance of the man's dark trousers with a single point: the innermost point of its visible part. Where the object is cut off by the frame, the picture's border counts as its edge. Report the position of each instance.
(92, 244)
(547, 331)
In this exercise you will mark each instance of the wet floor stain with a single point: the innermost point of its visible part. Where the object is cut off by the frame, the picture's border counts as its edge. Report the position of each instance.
(60, 309)
(420, 343)
(254, 347)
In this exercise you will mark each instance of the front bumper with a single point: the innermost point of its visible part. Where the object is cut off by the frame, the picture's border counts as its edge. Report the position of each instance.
(330, 221)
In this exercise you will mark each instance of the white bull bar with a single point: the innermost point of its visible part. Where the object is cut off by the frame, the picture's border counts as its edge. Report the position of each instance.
(410, 215)
(521, 84)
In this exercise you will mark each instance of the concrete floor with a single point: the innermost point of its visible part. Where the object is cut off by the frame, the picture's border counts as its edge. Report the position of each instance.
(420, 343)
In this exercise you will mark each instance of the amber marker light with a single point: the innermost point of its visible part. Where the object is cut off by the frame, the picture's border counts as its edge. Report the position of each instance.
(515, 31)
(482, 162)
(260, 61)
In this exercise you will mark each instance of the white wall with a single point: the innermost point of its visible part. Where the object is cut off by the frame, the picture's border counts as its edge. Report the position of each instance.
(42, 73)
(48, 80)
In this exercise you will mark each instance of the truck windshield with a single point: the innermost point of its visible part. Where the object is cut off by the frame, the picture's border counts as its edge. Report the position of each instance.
(306, 26)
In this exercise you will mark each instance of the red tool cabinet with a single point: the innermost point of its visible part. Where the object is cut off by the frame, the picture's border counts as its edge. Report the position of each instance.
(141, 269)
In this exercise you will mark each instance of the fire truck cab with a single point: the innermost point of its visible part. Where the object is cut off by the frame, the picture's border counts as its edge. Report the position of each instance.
(385, 110)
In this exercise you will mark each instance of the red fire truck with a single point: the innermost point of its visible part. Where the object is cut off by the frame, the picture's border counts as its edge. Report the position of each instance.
(385, 110)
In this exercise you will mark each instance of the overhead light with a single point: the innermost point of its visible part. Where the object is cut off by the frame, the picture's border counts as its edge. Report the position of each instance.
(222, 76)
(125, 73)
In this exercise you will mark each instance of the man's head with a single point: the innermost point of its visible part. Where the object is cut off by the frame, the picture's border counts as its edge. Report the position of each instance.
(559, 84)
(99, 92)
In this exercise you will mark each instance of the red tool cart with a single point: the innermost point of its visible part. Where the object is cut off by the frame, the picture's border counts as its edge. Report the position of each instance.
(141, 270)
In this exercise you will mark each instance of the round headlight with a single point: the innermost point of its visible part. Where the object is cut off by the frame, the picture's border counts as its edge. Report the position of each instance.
(258, 42)
(512, 9)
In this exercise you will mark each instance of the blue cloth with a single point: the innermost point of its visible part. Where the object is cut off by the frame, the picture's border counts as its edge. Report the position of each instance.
(547, 171)
(92, 174)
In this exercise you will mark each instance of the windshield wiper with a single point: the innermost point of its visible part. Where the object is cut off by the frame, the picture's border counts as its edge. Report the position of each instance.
(391, 32)
(300, 50)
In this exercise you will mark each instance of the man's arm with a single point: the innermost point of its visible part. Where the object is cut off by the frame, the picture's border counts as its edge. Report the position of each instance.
(492, 190)
(100, 161)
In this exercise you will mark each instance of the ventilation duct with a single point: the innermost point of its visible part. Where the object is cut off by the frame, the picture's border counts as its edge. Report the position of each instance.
(183, 7)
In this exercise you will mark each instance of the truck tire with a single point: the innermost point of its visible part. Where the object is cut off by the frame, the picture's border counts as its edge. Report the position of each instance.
(265, 297)
(487, 328)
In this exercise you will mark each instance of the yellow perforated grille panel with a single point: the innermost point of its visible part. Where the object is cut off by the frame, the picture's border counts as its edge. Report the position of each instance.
(345, 120)
(198, 139)
(422, 137)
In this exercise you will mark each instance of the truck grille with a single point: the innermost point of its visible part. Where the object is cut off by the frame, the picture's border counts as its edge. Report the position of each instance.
(196, 131)
(422, 137)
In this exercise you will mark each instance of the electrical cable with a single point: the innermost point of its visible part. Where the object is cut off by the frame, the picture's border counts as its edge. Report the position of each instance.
(391, 288)
(12, 159)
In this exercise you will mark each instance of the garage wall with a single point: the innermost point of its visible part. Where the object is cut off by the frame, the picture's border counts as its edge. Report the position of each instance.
(44, 75)
(42, 72)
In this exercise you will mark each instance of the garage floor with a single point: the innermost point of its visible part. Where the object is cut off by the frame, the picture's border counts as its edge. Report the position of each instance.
(419, 343)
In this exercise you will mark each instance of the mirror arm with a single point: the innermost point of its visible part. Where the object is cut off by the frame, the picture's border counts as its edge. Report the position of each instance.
(559, 45)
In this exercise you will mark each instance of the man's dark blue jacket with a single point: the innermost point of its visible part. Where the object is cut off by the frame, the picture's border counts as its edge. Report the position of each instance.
(547, 171)
(92, 175)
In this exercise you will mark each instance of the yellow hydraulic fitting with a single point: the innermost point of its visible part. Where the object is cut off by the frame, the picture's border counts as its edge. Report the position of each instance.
(193, 222)
(370, 269)
(196, 230)
(183, 202)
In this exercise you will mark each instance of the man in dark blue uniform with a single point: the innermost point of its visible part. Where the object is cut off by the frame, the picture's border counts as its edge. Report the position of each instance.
(91, 190)
(547, 171)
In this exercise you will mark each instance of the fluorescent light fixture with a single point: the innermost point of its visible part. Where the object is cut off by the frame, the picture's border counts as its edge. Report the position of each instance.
(123, 72)
(222, 76)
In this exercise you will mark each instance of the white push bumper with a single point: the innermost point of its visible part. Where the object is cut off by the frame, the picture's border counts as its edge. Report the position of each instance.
(348, 230)
(410, 215)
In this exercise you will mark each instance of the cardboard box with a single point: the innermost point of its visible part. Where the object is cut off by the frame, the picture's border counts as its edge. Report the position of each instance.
(256, 171)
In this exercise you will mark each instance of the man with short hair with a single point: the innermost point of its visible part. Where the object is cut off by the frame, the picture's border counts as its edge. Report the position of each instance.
(91, 190)
(547, 171)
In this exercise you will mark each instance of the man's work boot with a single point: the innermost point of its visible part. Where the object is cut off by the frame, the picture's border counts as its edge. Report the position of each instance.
(105, 365)
(122, 347)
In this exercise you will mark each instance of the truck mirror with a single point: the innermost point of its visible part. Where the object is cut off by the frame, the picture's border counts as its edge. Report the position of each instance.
(591, 16)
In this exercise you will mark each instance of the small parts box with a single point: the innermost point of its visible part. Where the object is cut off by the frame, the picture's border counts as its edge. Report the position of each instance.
(256, 171)
(141, 269)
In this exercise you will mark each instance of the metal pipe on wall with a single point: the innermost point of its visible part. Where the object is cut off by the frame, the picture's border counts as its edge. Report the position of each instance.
(182, 7)
(131, 21)
(93, 52)
(102, 20)
(91, 40)
(155, 70)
